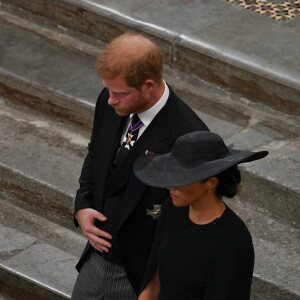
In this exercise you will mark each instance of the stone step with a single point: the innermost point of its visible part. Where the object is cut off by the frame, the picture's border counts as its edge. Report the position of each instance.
(37, 257)
(36, 196)
(40, 161)
(35, 83)
(221, 43)
(4, 296)
(47, 78)
(277, 251)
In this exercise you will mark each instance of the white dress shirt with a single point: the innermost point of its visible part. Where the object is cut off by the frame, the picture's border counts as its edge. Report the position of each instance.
(147, 116)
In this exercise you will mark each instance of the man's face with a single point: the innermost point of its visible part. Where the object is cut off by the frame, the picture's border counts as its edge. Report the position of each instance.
(124, 99)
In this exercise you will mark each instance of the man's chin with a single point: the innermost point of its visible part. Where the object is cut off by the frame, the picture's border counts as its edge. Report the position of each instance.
(121, 113)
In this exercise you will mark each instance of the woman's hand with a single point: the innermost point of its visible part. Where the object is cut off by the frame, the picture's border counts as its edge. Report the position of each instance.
(152, 289)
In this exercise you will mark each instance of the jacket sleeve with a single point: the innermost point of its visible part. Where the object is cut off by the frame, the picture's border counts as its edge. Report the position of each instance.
(84, 194)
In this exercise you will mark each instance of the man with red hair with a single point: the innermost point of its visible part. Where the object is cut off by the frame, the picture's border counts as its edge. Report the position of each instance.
(136, 113)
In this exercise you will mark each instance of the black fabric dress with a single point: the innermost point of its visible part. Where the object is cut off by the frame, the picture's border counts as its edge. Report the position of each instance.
(212, 262)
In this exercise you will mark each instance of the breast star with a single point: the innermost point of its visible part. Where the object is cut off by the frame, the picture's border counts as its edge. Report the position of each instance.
(155, 212)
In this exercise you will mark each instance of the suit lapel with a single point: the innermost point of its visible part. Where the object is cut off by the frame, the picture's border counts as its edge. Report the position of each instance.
(155, 138)
(110, 137)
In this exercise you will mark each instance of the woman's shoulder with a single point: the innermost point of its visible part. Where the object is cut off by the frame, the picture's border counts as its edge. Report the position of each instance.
(231, 225)
(232, 218)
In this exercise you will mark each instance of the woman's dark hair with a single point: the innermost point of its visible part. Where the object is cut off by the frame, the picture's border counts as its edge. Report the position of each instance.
(228, 182)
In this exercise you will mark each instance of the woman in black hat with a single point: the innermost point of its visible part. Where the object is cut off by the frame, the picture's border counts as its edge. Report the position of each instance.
(202, 249)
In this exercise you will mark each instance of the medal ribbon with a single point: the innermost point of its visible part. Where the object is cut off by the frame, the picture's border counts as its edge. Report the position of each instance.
(135, 127)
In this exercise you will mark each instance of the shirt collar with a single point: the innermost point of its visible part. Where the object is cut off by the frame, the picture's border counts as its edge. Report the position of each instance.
(147, 116)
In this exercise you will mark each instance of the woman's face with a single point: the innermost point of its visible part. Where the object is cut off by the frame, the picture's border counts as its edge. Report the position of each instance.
(188, 194)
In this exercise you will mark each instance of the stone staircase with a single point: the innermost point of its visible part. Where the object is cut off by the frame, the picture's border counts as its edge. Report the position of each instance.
(48, 90)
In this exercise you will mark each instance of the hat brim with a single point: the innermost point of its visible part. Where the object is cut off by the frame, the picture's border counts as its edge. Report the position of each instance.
(163, 170)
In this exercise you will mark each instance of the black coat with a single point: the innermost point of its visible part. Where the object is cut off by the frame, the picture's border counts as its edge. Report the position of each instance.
(136, 229)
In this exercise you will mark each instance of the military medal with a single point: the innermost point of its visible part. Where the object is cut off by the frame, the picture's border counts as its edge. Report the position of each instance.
(132, 128)
(155, 212)
(129, 141)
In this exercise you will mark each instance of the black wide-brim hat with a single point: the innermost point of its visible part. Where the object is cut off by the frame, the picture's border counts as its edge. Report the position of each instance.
(195, 157)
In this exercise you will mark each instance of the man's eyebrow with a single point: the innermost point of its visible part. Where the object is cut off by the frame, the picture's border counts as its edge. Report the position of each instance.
(120, 93)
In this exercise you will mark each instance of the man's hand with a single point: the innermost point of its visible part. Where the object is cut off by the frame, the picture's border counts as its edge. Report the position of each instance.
(86, 218)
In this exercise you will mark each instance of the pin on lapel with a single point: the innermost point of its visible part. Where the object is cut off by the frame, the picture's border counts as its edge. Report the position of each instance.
(148, 152)
(155, 212)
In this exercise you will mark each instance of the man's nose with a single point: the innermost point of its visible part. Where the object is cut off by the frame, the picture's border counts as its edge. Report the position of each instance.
(112, 100)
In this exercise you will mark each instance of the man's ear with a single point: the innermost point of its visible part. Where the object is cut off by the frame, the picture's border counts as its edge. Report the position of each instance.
(149, 85)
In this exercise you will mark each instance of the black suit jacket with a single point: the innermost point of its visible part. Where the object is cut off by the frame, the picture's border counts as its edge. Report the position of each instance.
(136, 229)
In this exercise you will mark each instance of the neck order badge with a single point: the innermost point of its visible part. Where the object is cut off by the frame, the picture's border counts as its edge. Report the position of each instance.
(133, 130)
(131, 137)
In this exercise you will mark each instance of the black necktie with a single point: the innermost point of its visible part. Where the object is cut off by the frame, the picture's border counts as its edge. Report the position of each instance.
(131, 137)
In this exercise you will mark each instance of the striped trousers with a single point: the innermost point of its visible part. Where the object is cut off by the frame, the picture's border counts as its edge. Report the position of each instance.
(99, 279)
